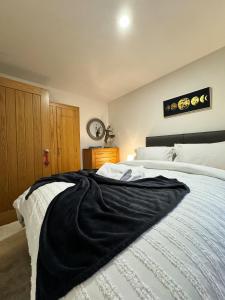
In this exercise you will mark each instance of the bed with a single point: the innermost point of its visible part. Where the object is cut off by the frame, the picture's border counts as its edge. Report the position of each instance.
(181, 257)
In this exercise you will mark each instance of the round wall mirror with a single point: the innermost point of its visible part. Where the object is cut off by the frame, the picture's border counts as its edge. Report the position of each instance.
(96, 129)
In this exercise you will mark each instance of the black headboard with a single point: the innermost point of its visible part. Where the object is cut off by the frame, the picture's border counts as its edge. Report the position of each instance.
(189, 138)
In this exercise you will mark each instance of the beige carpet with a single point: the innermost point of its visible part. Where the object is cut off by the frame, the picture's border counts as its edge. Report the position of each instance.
(9, 229)
(15, 270)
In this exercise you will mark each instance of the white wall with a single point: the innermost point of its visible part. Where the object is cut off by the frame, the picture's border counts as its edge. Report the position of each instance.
(88, 109)
(140, 113)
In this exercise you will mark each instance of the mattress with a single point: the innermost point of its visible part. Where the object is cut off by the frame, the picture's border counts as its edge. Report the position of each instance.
(181, 257)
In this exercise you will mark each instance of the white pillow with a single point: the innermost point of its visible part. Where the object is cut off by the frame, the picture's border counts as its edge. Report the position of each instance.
(155, 153)
(212, 155)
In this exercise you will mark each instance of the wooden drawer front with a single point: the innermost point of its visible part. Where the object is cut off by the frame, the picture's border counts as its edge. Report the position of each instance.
(99, 162)
(105, 150)
(105, 155)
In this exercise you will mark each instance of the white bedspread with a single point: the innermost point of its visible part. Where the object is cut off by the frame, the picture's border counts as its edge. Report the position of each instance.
(182, 257)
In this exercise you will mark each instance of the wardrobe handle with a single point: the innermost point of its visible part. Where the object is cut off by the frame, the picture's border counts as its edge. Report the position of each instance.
(45, 157)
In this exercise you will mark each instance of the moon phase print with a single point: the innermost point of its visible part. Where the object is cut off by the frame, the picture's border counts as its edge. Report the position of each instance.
(190, 102)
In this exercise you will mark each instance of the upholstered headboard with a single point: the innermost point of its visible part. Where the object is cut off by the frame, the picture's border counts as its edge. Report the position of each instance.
(189, 138)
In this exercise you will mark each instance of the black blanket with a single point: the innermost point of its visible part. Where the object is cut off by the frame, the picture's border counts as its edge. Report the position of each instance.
(89, 223)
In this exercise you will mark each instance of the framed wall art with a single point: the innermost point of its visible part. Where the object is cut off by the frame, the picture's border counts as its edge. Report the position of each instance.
(193, 101)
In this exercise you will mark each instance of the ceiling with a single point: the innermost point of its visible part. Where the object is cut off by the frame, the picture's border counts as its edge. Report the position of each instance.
(76, 45)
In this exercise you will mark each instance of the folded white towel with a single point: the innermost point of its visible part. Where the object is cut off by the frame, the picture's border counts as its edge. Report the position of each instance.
(115, 171)
(137, 173)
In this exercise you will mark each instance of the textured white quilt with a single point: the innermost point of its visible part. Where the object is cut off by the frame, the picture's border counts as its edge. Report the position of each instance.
(182, 257)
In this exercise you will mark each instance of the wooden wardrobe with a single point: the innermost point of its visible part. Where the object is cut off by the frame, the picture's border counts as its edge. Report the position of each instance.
(25, 124)
(24, 134)
(65, 138)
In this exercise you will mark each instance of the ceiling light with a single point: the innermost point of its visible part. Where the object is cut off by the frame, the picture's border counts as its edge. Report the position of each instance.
(124, 21)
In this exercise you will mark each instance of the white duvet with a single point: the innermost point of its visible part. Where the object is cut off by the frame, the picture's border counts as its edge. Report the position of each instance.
(182, 257)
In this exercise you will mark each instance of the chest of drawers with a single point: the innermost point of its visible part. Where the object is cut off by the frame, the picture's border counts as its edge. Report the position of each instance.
(96, 157)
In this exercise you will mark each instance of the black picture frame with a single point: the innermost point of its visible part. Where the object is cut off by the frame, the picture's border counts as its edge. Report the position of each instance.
(200, 99)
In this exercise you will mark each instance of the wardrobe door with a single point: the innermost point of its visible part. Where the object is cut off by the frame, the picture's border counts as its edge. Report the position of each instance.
(65, 138)
(24, 134)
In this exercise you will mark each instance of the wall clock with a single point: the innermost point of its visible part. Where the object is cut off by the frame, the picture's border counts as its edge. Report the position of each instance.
(96, 129)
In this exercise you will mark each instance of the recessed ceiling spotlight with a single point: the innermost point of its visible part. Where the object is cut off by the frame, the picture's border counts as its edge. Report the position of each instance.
(124, 21)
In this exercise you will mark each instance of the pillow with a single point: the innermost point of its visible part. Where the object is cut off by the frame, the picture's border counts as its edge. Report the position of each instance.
(155, 153)
(212, 155)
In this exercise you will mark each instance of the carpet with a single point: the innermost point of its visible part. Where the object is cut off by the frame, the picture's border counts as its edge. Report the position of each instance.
(9, 229)
(15, 269)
